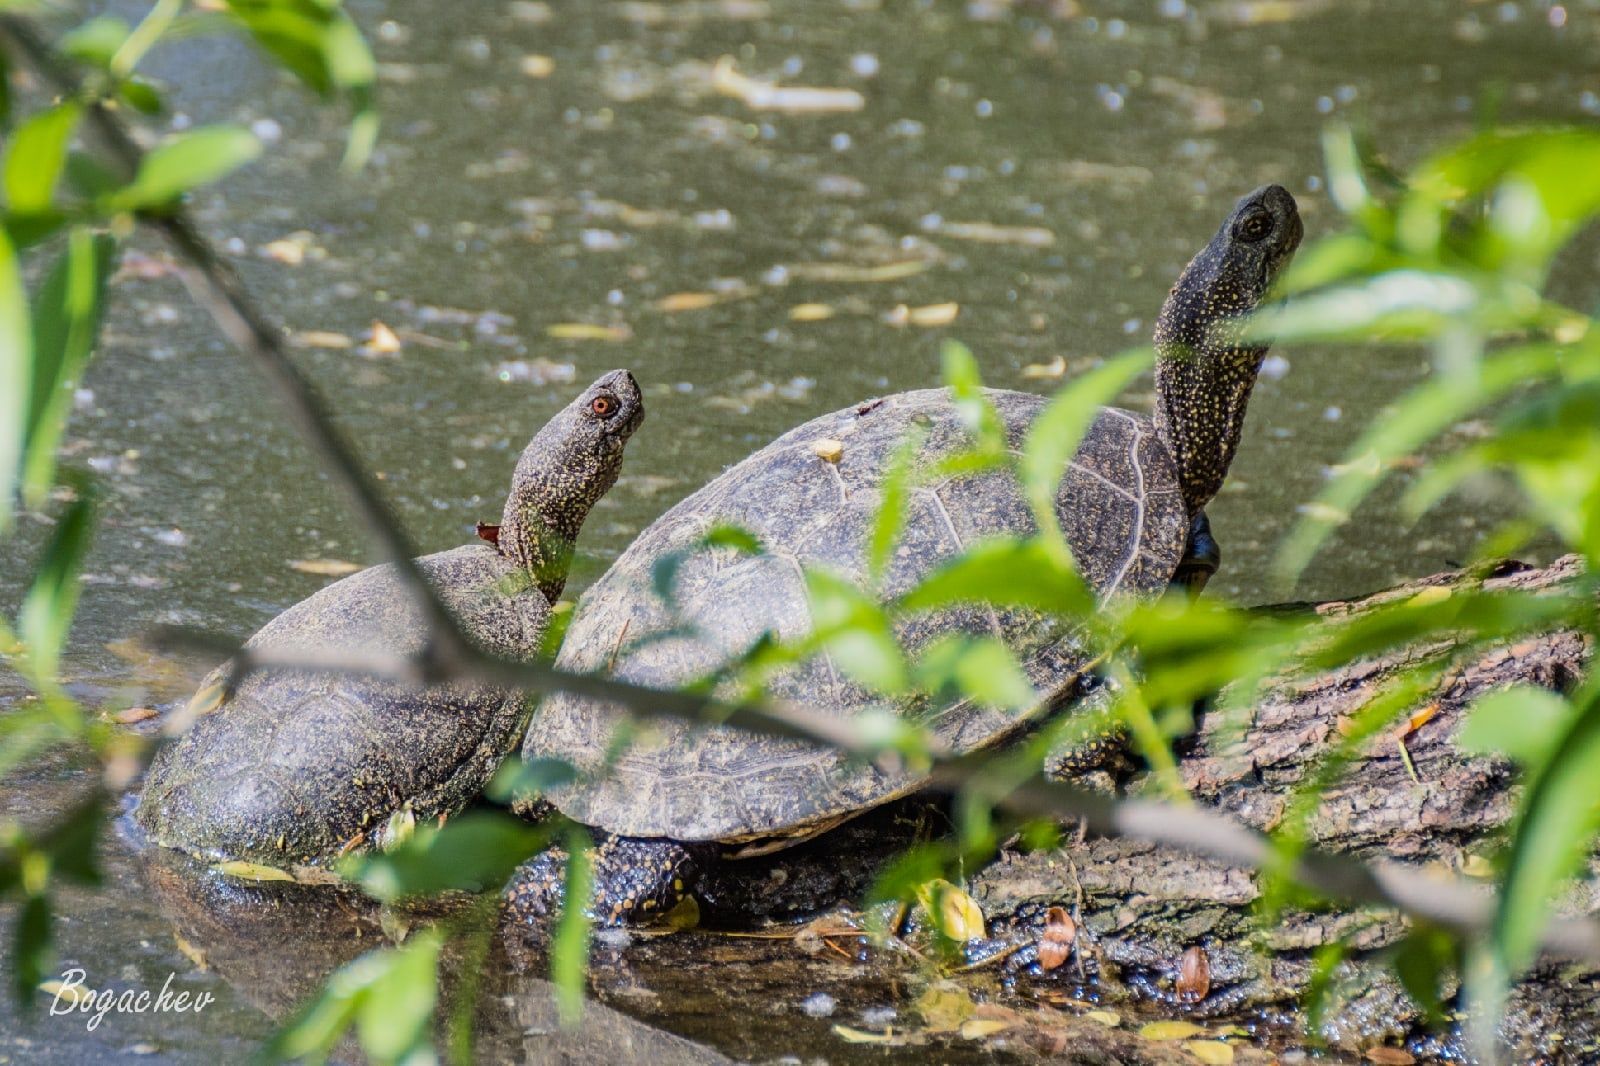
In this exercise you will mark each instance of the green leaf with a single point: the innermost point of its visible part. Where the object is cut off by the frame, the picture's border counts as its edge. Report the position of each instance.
(395, 1015)
(529, 777)
(186, 162)
(1423, 962)
(890, 518)
(856, 632)
(96, 41)
(972, 405)
(48, 608)
(569, 946)
(471, 853)
(1417, 418)
(141, 96)
(389, 995)
(1004, 572)
(32, 956)
(66, 322)
(981, 669)
(35, 156)
(16, 376)
(1522, 722)
(1053, 437)
(1558, 818)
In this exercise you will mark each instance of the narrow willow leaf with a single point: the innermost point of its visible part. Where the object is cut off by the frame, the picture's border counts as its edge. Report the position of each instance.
(1004, 572)
(395, 1016)
(983, 670)
(1417, 418)
(66, 323)
(48, 608)
(35, 156)
(977, 413)
(569, 946)
(1521, 722)
(856, 632)
(187, 162)
(1558, 819)
(1053, 437)
(890, 518)
(16, 375)
(95, 41)
(31, 951)
(473, 852)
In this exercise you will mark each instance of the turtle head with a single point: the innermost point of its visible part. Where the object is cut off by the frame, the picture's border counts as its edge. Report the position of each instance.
(563, 471)
(1204, 370)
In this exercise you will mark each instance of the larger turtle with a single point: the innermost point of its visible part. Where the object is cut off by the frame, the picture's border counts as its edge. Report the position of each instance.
(1131, 503)
(295, 766)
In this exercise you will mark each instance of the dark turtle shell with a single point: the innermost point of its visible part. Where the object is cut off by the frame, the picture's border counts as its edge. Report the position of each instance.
(1119, 505)
(296, 766)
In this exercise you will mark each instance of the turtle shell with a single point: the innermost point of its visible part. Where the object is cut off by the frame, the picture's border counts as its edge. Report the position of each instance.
(297, 766)
(813, 505)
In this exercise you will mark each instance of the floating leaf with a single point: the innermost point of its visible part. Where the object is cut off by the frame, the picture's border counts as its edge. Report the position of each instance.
(978, 1028)
(687, 301)
(765, 96)
(585, 331)
(810, 312)
(382, 340)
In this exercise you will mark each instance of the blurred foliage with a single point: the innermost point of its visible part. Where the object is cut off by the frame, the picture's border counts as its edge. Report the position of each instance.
(1454, 255)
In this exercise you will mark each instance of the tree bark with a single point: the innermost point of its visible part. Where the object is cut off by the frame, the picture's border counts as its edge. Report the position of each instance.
(1142, 907)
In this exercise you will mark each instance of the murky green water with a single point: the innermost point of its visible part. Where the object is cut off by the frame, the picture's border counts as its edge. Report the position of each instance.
(1107, 142)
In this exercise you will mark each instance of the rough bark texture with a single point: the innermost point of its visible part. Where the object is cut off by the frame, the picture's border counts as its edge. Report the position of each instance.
(1144, 906)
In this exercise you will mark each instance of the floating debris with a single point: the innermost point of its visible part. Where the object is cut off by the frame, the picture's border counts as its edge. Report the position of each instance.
(688, 301)
(134, 715)
(320, 338)
(381, 340)
(1055, 368)
(252, 871)
(851, 273)
(990, 233)
(536, 371)
(810, 312)
(767, 96)
(537, 66)
(642, 13)
(587, 331)
(1172, 1030)
(931, 315)
(325, 567)
(1211, 1052)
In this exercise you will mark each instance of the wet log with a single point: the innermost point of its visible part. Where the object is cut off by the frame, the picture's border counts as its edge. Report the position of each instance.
(1142, 907)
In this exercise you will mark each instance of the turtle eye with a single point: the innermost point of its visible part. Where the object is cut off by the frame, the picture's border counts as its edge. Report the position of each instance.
(1253, 226)
(604, 406)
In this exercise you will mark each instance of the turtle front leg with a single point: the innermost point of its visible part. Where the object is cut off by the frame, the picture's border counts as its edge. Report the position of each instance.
(1201, 557)
(636, 881)
(1091, 746)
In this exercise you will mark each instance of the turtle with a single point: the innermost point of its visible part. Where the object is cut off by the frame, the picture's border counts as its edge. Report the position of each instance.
(293, 767)
(669, 798)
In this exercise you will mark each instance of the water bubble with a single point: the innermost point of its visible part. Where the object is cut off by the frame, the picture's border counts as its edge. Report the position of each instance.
(1274, 367)
(984, 108)
(864, 64)
(819, 1005)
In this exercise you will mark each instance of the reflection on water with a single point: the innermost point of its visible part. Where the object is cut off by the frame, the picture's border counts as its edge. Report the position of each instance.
(565, 188)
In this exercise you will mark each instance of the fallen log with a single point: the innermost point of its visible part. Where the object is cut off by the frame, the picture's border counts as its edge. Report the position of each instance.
(1429, 804)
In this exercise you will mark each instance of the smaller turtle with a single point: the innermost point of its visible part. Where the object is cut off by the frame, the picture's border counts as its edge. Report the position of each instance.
(295, 767)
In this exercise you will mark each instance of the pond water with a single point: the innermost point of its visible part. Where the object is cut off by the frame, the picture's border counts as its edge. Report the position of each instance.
(1047, 167)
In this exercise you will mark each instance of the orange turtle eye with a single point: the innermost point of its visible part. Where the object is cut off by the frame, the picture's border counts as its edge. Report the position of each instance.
(603, 405)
